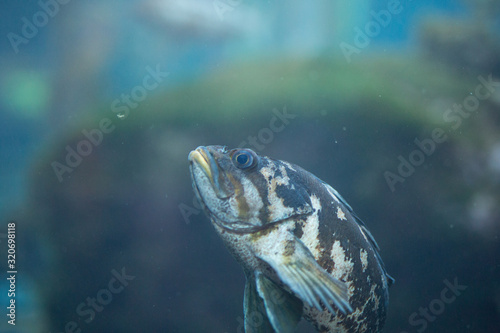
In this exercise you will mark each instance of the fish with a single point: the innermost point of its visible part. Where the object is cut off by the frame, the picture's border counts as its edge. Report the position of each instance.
(304, 252)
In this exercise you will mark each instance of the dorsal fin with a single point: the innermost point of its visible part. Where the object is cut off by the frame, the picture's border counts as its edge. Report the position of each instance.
(365, 231)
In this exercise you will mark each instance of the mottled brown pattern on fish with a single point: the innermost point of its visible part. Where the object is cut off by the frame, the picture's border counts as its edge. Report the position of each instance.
(289, 249)
(240, 196)
(298, 231)
(294, 208)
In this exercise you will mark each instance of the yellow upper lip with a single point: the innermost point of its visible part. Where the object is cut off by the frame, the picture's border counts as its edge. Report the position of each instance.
(199, 156)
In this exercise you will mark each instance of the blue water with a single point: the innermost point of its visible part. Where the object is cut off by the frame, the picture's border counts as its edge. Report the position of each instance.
(127, 202)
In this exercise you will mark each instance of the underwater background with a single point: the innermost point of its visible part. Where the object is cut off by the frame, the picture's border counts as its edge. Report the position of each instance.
(396, 104)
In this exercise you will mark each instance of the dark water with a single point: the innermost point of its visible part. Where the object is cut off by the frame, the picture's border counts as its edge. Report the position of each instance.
(395, 104)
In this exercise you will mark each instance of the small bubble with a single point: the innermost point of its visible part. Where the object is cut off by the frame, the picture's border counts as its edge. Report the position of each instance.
(344, 128)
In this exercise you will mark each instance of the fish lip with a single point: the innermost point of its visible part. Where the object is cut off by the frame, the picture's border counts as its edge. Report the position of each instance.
(202, 157)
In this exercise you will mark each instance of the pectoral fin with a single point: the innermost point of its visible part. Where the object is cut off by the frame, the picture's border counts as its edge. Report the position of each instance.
(269, 308)
(256, 320)
(309, 281)
(284, 310)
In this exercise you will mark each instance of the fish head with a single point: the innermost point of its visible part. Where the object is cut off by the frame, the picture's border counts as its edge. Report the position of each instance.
(244, 192)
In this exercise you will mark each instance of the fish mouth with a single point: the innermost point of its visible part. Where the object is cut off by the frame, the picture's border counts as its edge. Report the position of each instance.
(205, 160)
(200, 156)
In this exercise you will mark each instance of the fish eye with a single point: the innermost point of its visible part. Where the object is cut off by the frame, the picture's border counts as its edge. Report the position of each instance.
(244, 159)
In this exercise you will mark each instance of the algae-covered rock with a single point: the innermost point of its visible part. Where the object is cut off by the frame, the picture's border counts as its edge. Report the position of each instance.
(122, 200)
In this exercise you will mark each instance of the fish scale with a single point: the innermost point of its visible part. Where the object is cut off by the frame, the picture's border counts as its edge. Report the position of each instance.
(295, 237)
